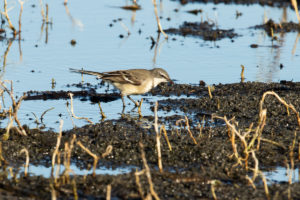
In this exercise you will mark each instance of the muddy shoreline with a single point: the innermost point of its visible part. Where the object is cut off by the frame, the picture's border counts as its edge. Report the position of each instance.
(191, 169)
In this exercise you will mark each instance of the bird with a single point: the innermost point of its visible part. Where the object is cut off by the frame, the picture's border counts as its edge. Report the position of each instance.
(131, 81)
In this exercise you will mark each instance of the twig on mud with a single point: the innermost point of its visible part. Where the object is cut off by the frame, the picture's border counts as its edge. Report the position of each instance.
(24, 150)
(72, 111)
(108, 192)
(163, 129)
(157, 19)
(189, 130)
(147, 171)
(158, 136)
(96, 158)
(108, 150)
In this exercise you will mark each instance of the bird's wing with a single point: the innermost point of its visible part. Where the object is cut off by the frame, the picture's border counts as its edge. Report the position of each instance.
(124, 76)
(87, 72)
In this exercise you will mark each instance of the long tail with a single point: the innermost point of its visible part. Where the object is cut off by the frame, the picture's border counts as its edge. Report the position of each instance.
(86, 72)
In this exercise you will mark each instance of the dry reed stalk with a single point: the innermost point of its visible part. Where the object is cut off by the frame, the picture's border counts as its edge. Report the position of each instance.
(74, 189)
(294, 4)
(265, 185)
(157, 19)
(96, 158)
(58, 141)
(42, 10)
(255, 170)
(43, 114)
(125, 27)
(5, 13)
(140, 108)
(209, 92)
(288, 106)
(72, 110)
(147, 171)
(108, 192)
(20, 17)
(9, 125)
(242, 73)
(189, 130)
(101, 111)
(53, 192)
(15, 107)
(291, 154)
(162, 129)
(158, 136)
(1, 156)
(242, 137)
(24, 150)
(299, 153)
(272, 142)
(295, 44)
(137, 175)
(251, 182)
(212, 188)
(57, 169)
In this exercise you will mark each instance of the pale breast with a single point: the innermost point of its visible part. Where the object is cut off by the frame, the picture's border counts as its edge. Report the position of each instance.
(129, 89)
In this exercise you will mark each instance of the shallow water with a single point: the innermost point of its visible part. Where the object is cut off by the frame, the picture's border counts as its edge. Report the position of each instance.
(281, 174)
(39, 57)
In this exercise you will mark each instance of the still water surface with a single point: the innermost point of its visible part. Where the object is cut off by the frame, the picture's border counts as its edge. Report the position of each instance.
(45, 53)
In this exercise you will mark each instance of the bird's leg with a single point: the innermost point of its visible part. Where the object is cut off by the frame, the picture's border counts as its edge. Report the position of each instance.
(135, 103)
(123, 101)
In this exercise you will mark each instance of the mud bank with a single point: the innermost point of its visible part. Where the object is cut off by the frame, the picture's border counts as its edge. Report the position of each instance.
(201, 164)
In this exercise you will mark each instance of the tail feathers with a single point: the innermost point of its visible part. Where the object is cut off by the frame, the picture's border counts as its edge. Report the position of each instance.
(86, 72)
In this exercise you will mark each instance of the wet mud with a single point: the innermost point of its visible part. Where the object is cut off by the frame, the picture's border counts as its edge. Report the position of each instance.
(201, 163)
(271, 27)
(277, 3)
(204, 30)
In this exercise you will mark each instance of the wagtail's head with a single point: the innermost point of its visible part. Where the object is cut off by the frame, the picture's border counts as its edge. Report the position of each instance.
(160, 76)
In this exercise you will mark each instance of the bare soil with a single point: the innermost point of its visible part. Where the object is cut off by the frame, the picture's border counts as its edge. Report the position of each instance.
(191, 171)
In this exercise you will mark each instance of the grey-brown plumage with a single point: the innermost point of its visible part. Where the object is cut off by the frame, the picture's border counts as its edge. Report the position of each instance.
(132, 81)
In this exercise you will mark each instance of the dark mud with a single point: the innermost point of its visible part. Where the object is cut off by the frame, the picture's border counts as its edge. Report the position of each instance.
(191, 171)
(277, 3)
(204, 30)
(271, 27)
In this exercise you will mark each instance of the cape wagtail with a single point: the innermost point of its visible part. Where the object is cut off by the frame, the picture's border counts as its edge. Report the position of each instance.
(132, 81)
